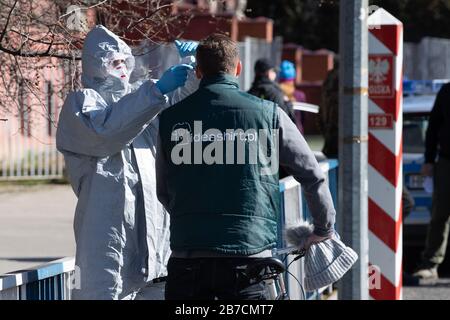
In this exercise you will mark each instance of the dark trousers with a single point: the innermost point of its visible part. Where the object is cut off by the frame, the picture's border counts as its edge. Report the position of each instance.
(210, 279)
(438, 229)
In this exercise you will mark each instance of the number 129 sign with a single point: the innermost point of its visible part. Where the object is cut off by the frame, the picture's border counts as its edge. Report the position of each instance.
(381, 121)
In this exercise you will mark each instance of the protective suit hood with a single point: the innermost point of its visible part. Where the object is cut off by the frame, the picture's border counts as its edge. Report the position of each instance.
(101, 47)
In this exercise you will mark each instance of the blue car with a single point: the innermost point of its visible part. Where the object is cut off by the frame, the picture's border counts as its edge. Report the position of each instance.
(419, 98)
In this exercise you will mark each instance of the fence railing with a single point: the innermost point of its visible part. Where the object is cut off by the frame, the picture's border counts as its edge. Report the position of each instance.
(429, 59)
(294, 211)
(28, 156)
(54, 281)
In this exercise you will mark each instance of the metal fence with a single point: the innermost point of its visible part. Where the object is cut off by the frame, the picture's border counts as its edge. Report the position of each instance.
(54, 280)
(251, 50)
(294, 211)
(428, 59)
(27, 157)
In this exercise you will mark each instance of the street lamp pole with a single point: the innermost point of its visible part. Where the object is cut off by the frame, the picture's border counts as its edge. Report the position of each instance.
(353, 147)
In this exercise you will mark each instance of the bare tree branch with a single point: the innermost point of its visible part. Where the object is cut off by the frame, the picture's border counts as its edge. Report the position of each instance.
(35, 37)
(7, 21)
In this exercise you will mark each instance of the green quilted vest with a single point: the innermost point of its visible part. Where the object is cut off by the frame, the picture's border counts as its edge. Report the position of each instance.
(221, 148)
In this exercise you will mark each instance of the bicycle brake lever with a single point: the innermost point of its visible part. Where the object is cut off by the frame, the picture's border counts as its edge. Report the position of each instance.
(299, 254)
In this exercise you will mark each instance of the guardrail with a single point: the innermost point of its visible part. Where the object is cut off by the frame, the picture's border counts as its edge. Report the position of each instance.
(54, 281)
(294, 211)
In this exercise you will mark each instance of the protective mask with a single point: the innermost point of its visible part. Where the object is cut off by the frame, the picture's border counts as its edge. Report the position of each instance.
(115, 85)
(120, 71)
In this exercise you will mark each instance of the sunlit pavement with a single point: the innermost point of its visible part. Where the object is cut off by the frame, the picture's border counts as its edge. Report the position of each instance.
(440, 291)
(35, 225)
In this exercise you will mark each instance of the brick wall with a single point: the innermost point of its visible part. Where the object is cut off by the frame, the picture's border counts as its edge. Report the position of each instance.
(316, 64)
(261, 28)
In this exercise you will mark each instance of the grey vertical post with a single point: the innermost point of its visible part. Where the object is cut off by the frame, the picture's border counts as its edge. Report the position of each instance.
(247, 64)
(352, 217)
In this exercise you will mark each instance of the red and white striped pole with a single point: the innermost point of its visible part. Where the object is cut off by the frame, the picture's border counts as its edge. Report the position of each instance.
(385, 155)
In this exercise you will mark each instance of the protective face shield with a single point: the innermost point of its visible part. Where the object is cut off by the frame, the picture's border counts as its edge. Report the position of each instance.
(116, 83)
(119, 65)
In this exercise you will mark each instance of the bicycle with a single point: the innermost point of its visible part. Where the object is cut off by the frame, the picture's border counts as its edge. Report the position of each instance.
(270, 270)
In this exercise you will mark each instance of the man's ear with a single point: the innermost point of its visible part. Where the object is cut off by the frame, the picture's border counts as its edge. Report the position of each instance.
(238, 68)
(198, 73)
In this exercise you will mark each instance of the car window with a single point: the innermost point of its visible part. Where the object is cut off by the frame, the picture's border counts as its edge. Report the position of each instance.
(414, 130)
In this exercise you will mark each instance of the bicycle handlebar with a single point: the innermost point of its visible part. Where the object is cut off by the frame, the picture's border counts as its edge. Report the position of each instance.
(288, 251)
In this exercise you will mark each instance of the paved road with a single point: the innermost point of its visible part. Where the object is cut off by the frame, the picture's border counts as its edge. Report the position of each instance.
(35, 225)
(441, 291)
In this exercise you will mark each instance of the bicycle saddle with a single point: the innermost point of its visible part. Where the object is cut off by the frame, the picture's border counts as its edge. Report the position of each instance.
(265, 268)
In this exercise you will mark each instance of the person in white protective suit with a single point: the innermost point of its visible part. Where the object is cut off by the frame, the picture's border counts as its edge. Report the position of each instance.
(107, 134)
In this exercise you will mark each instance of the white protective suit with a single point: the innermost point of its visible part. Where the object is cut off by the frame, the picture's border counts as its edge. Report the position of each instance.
(107, 133)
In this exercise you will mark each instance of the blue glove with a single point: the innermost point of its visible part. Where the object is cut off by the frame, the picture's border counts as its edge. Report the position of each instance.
(173, 78)
(186, 49)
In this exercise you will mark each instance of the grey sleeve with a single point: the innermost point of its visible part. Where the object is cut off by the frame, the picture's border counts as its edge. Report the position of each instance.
(298, 160)
(161, 175)
(89, 126)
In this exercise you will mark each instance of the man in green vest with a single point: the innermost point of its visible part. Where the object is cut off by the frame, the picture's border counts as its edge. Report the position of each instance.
(218, 156)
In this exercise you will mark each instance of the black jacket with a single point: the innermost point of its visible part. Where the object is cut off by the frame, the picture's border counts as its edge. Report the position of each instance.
(266, 89)
(438, 133)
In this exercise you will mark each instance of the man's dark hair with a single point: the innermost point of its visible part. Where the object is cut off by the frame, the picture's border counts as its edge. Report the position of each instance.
(217, 54)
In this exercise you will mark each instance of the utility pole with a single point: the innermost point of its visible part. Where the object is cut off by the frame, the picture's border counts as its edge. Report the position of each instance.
(352, 217)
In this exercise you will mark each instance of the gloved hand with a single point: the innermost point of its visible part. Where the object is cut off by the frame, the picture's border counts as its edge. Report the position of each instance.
(186, 49)
(173, 78)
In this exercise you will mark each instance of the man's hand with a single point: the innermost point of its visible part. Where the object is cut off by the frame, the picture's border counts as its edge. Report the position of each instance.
(186, 49)
(427, 169)
(173, 78)
(314, 239)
